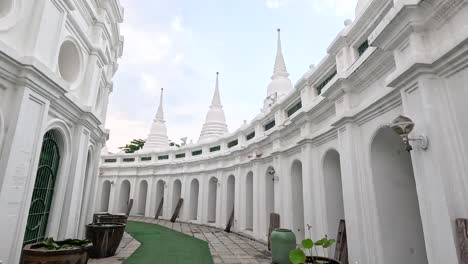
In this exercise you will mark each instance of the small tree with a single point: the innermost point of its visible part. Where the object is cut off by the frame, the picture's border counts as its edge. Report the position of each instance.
(173, 144)
(135, 144)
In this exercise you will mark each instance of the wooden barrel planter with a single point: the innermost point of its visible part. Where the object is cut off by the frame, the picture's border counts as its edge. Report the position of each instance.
(34, 254)
(110, 218)
(106, 238)
(328, 260)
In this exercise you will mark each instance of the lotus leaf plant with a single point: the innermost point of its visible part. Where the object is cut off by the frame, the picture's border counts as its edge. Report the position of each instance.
(307, 248)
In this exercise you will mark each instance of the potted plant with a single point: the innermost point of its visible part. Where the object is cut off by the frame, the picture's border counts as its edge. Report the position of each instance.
(299, 256)
(57, 252)
(106, 238)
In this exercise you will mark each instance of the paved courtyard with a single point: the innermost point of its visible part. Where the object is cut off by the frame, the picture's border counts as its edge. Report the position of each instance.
(224, 247)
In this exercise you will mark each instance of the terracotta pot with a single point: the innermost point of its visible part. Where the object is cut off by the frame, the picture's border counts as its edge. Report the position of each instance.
(330, 261)
(33, 255)
(110, 218)
(106, 238)
(282, 242)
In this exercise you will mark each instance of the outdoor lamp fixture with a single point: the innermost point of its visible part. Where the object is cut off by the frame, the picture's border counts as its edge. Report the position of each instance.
(271, 171)
(403, 125)
(112, 182)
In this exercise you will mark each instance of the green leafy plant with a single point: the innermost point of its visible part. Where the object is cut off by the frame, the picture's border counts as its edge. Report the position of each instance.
(135, 144)
(51, 244)
(299, 256)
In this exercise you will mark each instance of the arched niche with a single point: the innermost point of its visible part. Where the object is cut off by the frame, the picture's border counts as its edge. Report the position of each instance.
(194, 193)
(249, 201)
(176, 194)
(230, 195)
(269, 195)
(105, 196)
(297, 200)
(142, 194)
(212, 197)
(399, 219)
(333, 192)
(160, 186)
(86, 191)
(124, 196)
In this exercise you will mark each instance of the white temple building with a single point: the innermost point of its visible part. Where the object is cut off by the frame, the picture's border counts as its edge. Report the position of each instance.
(339, 144)
(57, 61)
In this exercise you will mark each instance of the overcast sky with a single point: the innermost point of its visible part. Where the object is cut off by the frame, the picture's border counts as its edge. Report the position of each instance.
(181, 44)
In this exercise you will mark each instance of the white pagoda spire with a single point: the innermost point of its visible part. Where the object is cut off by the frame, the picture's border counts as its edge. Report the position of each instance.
(215, 122)
(157, 138)
(280, 84)
(280, 66)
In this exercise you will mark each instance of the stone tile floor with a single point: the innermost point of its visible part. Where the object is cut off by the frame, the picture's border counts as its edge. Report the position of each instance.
(127, 246)
(224, 247)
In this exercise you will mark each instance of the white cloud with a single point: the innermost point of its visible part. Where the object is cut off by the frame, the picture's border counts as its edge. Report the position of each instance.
(177, 24)
(344, 8)
(178, 58)
(275, 3)
(149, 84)
(144, 47)
(123, 129)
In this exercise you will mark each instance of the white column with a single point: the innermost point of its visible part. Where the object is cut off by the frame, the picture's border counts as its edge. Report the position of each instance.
(18, 171)
(434, 169)
(360, 237)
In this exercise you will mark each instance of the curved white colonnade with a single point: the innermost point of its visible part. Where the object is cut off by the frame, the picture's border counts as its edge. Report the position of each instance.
(326, 151)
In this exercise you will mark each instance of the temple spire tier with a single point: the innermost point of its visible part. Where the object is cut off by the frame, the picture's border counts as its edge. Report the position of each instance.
(157, 138)
(215, 122)
(280, 84)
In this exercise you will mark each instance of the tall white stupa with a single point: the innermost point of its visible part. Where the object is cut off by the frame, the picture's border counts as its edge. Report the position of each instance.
(215, 122)
(157, 138)
(280, 84)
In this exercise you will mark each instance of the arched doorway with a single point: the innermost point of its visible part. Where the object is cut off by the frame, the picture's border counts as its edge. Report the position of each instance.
(333, 192)
(159, 198)
(43, 192)
(143, 193)
(212, 195)
(269, 196)
(230, 198)
(194, 189)
(297, 200)
(124, 197)
(176, 192)
(105, 195)
(400, 226)
(249, 201)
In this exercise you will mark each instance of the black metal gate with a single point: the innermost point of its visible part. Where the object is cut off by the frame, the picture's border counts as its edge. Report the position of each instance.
(43, 189)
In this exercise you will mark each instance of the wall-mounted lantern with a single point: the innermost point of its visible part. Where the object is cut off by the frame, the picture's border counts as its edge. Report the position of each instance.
(403, 125)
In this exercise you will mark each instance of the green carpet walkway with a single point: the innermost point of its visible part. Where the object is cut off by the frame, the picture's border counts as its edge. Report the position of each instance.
(161, 245)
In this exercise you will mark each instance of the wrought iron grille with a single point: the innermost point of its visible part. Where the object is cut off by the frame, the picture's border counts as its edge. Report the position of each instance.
(41, 200)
